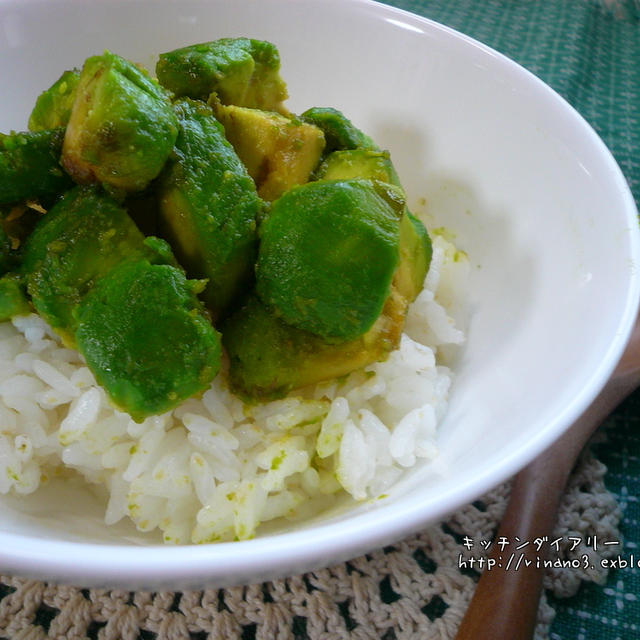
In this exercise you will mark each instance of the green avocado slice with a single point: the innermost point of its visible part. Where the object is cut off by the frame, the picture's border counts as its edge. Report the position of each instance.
(269, 358)
(78, 241)
(328, 251)
(30, 166)
(144, 335)
(53, 106)
(240, 71)
(208, 207)
(121, 128)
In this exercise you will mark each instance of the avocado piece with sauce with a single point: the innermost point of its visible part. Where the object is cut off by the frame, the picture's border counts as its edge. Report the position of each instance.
(339, 131)
(415, 244)
(122, 300)
(268, 358)
(30, 166)
(278, 151)
(328, 252)
(415, 257)
(240, 71)
(53, 106)
(121, 128)
(144, 334)
(358, 163)
(13, 301)
(208, 207)
(79, 240)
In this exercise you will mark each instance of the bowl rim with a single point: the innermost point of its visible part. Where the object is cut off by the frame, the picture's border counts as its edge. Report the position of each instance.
(211, 565)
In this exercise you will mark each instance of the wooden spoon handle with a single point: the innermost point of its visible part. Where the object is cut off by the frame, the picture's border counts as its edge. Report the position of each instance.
(505, 602)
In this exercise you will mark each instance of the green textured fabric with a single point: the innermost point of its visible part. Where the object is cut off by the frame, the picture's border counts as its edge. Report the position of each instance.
(589, 52)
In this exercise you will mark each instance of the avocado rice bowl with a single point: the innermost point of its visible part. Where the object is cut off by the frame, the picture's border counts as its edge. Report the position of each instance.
(215, 312)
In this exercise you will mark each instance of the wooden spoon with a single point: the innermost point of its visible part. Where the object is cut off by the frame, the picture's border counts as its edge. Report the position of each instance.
(505, 603)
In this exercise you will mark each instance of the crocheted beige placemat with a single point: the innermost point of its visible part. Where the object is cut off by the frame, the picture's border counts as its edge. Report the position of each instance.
(417, 588)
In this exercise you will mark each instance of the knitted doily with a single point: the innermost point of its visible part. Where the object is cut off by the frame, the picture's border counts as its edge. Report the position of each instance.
(409, 590)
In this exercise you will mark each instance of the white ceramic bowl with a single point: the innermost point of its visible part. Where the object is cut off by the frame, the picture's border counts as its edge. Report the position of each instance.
(530, 191)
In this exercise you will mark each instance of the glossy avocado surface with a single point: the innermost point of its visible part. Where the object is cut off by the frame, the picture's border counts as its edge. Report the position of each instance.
(339, 131)
(80, 239)
(53, 106)
(143, 334)
(13, 301)
(357, 163)
(209, 207)
(328, 251)
(268, 358)
(121, 128)
(240, 71)
(278, 151)
(30, 166)
(415, 244)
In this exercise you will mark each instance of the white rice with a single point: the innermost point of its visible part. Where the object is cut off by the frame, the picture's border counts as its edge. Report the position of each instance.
(214, 469)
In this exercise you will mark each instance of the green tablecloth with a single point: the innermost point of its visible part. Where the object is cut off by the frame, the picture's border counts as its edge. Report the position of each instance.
(589, 52)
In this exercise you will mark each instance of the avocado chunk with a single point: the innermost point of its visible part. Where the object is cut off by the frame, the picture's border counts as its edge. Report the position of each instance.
(79, 240)
(328, 251)
(269, 358)
(415, 257)
(121, 127)
(415, 244)
(53, 106)
(30, 166)
(279, 152)
(13, 301)
(208, 207)
(339, 131)
(123, 301)
(144, 335)
(358, 163)
(239, 71)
